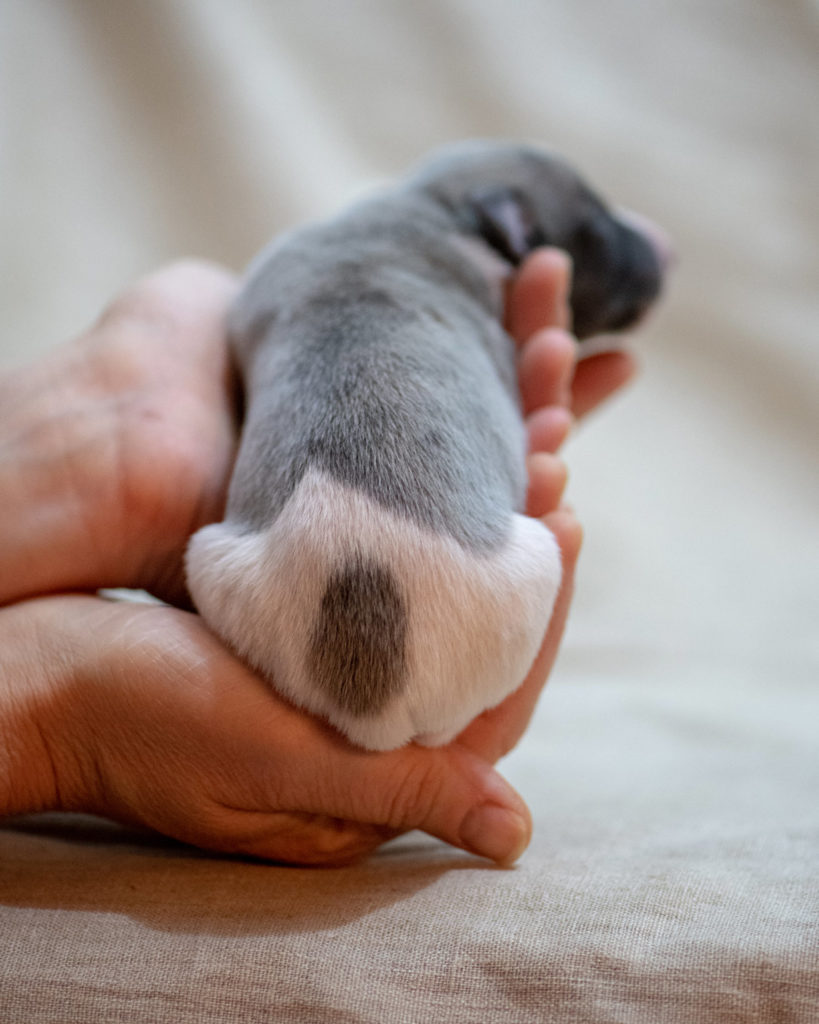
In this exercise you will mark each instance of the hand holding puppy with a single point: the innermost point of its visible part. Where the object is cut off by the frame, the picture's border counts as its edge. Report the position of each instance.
(116, 447)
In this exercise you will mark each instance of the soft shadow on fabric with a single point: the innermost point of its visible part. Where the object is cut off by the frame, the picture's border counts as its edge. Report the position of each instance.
(85, 864)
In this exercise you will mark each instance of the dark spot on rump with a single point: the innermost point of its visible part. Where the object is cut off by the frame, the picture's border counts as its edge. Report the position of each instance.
(358, 645)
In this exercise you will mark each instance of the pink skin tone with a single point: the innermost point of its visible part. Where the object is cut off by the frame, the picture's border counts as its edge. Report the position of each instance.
(113, 450)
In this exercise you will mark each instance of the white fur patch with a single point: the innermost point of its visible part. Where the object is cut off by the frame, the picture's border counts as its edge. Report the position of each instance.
(475, 621)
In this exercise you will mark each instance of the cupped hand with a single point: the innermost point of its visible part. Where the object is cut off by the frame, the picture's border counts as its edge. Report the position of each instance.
(140, 714)
(122, 445)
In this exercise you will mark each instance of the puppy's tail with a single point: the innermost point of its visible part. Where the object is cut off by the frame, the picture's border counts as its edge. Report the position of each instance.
(358, 647)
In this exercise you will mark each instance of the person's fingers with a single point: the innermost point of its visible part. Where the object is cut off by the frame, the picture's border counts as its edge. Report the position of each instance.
(494, 733)
(537, 300)
(538, 296)
(547, 429)
(545, 369)
(599, 377)
(352, 800)
(547, 480)
(329, 801)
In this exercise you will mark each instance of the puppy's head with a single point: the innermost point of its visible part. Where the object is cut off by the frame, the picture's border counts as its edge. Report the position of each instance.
(517, 198)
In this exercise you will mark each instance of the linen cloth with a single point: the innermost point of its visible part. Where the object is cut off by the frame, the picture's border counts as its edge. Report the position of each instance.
(672, 766)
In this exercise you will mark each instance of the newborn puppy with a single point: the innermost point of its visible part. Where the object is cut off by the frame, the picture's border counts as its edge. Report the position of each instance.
(374, 562)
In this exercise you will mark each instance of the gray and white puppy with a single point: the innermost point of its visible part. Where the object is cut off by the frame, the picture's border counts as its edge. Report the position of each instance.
(374, 562)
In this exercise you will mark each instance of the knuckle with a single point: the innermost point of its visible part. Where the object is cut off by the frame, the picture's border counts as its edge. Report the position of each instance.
(141, 308)
(414, 794)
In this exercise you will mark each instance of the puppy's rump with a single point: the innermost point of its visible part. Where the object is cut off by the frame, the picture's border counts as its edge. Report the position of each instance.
(389, 630)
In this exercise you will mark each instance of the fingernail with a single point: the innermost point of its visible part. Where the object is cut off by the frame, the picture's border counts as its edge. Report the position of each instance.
(495, 832)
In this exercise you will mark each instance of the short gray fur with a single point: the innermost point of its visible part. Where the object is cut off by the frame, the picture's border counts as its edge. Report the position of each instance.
(372, 350)
(380, 363)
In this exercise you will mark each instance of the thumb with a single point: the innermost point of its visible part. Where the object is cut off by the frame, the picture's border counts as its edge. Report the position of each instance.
(496, 824)
(449, 792)
(353, 800)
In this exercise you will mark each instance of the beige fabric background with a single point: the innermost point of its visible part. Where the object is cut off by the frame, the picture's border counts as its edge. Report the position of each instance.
(673, 766)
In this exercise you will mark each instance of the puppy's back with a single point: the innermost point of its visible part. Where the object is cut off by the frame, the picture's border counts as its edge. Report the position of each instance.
(370, 563)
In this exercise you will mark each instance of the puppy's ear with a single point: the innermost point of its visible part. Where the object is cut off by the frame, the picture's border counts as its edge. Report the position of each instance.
(505, 219)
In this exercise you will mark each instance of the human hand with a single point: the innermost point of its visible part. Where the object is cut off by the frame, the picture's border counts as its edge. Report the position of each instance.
(556, 390)
(555, 387)
(116, 447)
(138, 713)
(151, 720)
